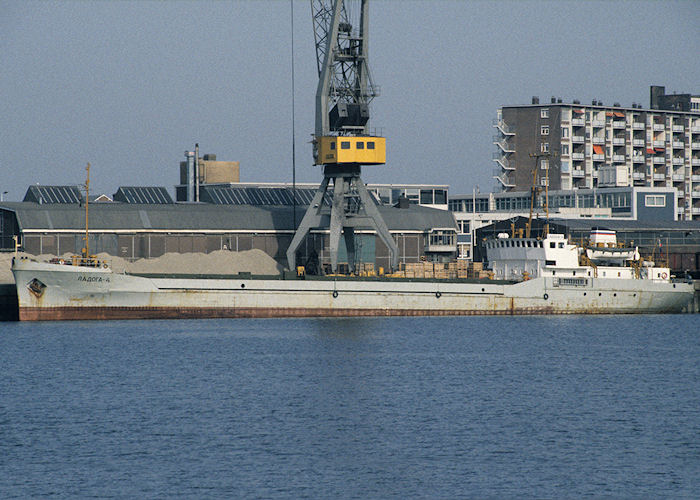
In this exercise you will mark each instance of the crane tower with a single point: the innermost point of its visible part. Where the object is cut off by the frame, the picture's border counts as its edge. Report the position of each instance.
(342, 141)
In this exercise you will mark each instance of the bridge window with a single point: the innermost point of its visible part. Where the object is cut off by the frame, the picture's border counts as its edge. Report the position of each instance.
(360, 145)
(345, 145)
(370, 144)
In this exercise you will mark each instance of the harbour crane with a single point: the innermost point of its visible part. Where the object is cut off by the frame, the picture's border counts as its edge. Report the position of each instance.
(342, 140)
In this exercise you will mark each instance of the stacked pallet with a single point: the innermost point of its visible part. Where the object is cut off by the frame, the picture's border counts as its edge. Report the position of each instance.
(460, 269)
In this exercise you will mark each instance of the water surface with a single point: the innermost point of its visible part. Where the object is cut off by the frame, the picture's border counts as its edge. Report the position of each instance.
(546, 407)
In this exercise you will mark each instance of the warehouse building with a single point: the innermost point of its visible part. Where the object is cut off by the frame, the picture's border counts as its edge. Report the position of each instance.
(144, 222)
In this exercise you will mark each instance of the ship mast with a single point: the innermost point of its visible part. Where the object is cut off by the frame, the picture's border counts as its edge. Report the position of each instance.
(86, 238)
(536, 189)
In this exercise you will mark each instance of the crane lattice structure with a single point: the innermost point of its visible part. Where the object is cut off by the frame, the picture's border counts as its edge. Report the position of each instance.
(342, 141)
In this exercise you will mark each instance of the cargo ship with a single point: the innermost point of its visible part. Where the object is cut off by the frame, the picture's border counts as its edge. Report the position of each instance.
(547, 275)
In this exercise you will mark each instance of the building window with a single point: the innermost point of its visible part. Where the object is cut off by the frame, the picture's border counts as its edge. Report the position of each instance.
(565, 133)
(426, 196)
(345, 145)
(333, 145)
(544, 130)
(544, 164)
(442, 238)
(544, 147)
(370, 145)
(440, 196)
(564, 149)
(655, 200)
(360, 145)
(544, 113)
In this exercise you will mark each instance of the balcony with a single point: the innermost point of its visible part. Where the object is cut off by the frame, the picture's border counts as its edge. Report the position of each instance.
(598, 123)
(618, 141)
(503, 162)
(678, 160)
(678, 177)
(678, 128)
(695, 178)
(577, 156)
(695, 145)
(639, 125)
(503, 179)
(618, 124)
(501, 125)
(578, 173)
(659, 177)
(658, 127)
(696, 210)
(638, 142)
(659, 160)
(505, 147)
(578, 139)
(659, 144)
(598, 140)
(578, 122)
(695, 161)
(638, 159)
(619, 158)
(597, 157)
(638, 176)
(695, 129)
(678, 144)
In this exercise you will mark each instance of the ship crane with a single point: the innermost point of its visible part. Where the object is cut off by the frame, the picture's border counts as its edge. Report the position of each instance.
(342, 140)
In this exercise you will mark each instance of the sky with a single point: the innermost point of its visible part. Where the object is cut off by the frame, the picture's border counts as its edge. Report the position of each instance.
(129, 86)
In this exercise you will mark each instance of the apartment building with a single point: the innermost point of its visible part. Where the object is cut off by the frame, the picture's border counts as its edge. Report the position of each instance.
(573, 146)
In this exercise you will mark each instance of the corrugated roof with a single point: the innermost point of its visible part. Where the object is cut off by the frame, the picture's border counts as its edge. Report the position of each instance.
(53, 194)
(274, 196)
(193, 217)
(153, 195)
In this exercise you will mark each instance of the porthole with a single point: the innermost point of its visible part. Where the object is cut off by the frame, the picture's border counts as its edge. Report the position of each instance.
(242, 285)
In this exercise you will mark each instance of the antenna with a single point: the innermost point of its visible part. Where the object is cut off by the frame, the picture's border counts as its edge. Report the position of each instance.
(294, 156)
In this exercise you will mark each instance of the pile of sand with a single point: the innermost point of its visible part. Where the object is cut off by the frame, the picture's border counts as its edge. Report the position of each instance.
(219, 262)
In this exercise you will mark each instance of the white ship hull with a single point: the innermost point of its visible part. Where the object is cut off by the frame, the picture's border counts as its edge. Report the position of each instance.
(61, 292)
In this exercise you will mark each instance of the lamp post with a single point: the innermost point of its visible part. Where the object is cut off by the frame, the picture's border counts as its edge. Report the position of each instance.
(2, 195)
